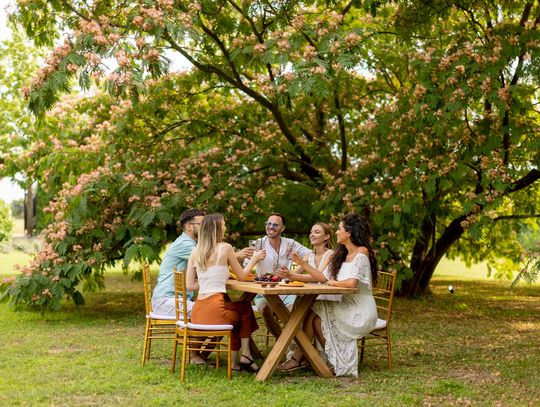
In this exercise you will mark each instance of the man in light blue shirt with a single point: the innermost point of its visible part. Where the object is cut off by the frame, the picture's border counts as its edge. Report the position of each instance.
(177, 255)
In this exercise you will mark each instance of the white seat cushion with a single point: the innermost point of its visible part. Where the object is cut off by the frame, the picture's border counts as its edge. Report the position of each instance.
(380, 324)
(205, 327)
(163, 317)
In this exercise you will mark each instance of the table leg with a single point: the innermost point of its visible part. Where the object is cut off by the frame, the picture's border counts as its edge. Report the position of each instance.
(311, 354)
(284, 340)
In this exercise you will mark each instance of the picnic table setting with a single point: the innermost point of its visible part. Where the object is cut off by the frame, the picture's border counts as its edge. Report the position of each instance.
(292, 289)
(307, 293)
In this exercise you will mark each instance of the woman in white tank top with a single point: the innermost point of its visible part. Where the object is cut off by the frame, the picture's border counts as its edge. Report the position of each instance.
(207, 273)
(321, 237)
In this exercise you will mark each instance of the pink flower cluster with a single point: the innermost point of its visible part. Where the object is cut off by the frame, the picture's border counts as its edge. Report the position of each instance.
(52, 63)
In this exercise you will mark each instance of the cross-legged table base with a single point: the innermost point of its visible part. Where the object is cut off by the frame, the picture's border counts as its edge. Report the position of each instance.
(293, 329)
(293, 320)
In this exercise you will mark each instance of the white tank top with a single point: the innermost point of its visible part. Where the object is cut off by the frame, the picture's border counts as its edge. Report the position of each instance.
(311, 258)
(214, 278)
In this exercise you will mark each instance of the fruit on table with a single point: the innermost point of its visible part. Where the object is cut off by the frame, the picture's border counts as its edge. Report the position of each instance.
(267, 278)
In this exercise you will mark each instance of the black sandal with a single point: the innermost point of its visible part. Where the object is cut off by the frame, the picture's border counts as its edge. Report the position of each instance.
(249, 366)
(299, 365)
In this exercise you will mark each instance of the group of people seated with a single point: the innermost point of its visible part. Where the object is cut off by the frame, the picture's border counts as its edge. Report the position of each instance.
(335, 321)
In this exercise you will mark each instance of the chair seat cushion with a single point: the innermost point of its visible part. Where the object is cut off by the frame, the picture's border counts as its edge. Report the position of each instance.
(205, 327)
(153, 315)
(380, 324)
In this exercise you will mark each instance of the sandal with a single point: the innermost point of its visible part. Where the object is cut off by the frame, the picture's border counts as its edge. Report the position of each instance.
(249, 366)
(298, 365)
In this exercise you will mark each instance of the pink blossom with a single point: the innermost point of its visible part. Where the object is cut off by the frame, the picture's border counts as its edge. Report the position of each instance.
(259, 48)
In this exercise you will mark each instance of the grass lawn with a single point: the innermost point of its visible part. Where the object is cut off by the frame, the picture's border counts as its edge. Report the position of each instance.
(478, 346)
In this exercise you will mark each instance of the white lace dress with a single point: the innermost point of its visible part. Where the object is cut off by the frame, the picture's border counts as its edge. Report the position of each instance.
(351, 318)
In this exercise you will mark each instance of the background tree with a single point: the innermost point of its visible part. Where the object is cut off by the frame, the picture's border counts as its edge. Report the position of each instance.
(17, 208)
(19, 61)
(6, 222)
(424, 118)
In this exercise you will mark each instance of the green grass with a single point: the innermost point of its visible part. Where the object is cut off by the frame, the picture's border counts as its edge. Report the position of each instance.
(18, 251)
(18, 226)
(456, 269)
(477, 346)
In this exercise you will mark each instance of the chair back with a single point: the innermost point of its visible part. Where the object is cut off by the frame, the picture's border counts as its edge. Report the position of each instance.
(147, 288)
(383, 293)
(180, 297)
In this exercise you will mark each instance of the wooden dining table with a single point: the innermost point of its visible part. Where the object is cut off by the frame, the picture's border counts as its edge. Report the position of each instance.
(292, 321)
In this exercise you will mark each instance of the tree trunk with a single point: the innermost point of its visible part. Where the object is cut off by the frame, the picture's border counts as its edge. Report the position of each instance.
(424, 267)
(29, 213)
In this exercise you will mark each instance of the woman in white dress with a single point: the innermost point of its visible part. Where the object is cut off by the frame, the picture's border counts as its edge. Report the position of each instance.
(338, 324)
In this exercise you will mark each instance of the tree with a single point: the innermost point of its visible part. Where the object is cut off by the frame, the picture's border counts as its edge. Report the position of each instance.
(423, 118)
(6, 222)
(17, 208)
(19, 61)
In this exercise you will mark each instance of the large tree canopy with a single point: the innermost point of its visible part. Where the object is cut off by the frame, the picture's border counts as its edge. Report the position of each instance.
(424, 118)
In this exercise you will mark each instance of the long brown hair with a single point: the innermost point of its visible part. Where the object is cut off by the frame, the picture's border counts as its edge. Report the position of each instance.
(327, 229)
(210, 235)
(360, 231)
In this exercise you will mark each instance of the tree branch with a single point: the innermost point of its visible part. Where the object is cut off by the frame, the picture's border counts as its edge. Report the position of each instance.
(342, 134)
(258, 34)
(504, 217)
(531, 177)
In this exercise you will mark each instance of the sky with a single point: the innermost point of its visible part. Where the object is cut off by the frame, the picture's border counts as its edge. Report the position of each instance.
(8, 191)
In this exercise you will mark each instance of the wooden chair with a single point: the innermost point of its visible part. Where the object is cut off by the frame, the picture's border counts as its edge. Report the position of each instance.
(157, 326)
(194, 336)
(383, 293)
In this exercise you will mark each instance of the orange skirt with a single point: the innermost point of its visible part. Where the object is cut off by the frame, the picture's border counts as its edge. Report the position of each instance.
(215, 310)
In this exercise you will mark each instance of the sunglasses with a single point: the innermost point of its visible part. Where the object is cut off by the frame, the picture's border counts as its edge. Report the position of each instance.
(272, 225)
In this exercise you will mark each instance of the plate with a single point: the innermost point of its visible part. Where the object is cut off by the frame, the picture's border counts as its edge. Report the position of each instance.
(292, 284)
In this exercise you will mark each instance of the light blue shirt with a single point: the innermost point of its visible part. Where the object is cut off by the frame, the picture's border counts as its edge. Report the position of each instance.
(177, 255)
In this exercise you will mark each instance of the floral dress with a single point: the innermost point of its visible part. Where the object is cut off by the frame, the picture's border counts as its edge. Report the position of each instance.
(344, 322)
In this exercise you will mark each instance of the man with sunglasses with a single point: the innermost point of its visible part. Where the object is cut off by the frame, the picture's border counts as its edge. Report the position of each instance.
(278, 254)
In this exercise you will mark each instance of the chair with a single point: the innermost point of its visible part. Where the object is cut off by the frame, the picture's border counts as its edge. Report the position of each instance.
(157, 326)
(194, 336)
(383, 293)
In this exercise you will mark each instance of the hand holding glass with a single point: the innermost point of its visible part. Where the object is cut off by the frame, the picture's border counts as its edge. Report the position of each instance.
(259, 255)
(295, 257)
(284, 272)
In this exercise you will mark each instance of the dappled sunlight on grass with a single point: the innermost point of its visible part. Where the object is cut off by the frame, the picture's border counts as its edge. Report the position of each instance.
(448, 348)
(456, 268)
